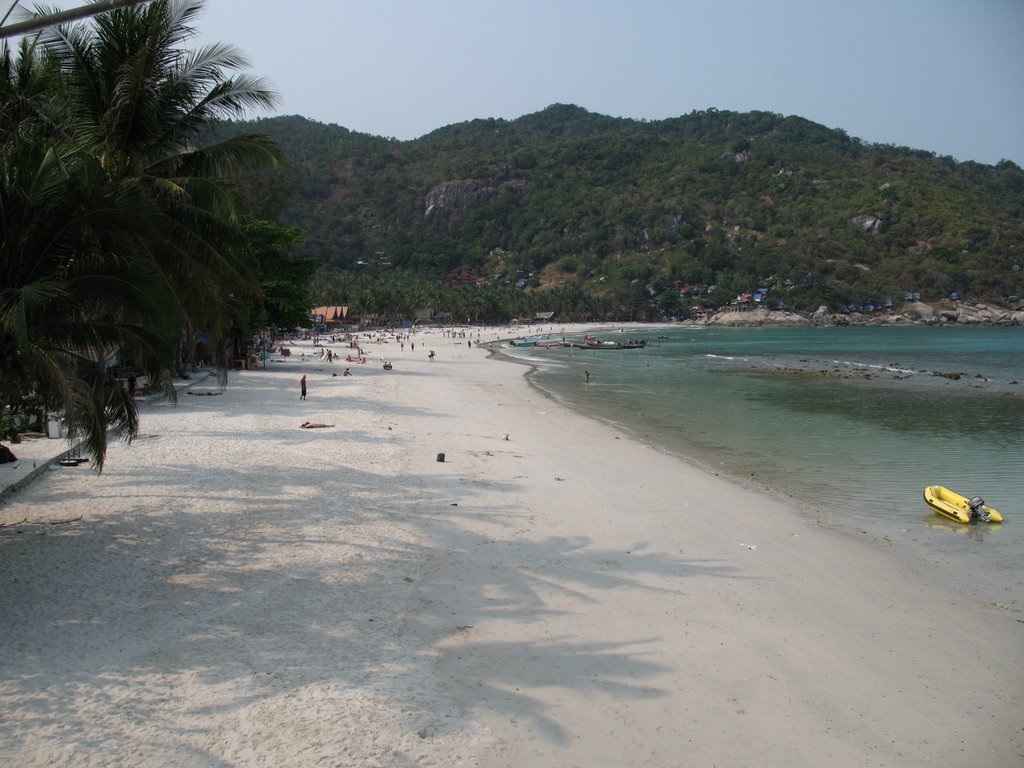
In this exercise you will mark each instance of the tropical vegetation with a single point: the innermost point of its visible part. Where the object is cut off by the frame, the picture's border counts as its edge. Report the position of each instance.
(121, 234)
(140, 211)
(640, 219)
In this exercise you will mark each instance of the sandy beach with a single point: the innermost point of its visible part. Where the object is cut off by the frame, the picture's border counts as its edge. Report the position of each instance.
(234, 590)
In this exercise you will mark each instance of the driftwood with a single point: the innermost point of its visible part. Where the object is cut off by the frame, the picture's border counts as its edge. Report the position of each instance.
(26, 521)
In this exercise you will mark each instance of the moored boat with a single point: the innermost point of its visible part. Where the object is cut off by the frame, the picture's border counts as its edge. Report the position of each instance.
(609, 345)
(961, 509)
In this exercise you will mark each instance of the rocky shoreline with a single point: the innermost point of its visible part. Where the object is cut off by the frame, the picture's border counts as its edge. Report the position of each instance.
(912, 313)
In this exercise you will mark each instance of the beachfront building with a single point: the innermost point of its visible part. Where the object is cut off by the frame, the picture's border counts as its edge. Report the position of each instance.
(328, 319)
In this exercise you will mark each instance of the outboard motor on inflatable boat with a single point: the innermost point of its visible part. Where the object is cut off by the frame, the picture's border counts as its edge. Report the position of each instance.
(977, 505)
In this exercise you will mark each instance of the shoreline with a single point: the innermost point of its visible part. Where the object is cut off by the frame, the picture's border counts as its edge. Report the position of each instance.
(946, 313)
(240, 591)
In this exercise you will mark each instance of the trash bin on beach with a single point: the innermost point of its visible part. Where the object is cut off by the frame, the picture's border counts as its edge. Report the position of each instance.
(54, 429)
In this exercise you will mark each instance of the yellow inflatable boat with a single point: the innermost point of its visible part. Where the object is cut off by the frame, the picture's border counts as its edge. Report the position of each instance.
(959, 508)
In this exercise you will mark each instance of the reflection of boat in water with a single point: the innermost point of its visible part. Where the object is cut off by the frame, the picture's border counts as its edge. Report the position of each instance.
(940, 523)
(609, 344)
(944, 526)
(583, 342)
(960, 509)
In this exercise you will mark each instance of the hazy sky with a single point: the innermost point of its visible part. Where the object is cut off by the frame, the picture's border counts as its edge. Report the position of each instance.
(942, 75)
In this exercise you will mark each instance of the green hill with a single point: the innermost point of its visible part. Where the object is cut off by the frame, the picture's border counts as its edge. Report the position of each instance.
(690, 209)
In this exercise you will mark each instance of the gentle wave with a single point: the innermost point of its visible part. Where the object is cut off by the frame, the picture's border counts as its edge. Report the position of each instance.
(852, 450)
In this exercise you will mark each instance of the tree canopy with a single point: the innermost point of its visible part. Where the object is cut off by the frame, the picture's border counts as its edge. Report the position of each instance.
(120, 232)
(712, 198)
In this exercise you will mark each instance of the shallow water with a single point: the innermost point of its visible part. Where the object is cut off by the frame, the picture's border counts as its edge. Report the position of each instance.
(851, 423)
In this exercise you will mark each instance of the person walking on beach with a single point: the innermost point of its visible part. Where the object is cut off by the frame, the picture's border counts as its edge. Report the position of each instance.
(431, 355)
(302, 385)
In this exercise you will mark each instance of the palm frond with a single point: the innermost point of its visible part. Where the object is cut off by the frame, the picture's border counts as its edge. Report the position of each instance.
(118, 231)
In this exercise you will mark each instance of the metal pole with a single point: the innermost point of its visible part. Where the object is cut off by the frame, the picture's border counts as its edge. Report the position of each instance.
(74, 14)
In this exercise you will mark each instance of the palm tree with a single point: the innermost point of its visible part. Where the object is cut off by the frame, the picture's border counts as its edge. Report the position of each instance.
(141, 103)
(118, 229)
(70, 294)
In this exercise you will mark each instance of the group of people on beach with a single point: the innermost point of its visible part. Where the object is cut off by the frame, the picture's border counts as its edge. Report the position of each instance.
(331, 356)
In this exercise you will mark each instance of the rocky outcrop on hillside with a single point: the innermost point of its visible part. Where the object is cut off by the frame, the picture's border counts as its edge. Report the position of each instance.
(913, 313)
(965, 313)
(869, 225)
(449, 203)
(757, 317)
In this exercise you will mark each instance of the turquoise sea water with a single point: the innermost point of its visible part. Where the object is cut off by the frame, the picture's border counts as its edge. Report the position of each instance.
(851, 423)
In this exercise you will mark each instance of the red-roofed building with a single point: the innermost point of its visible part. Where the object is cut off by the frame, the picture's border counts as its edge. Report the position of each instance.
(327, 317)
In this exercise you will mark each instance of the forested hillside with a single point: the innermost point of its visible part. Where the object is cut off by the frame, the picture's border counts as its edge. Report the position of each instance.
(667, 213)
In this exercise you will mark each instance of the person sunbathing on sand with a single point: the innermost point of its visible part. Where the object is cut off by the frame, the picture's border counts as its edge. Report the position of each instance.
(309, 425)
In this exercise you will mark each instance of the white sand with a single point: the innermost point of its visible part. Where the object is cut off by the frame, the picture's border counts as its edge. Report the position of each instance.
(241, 592)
